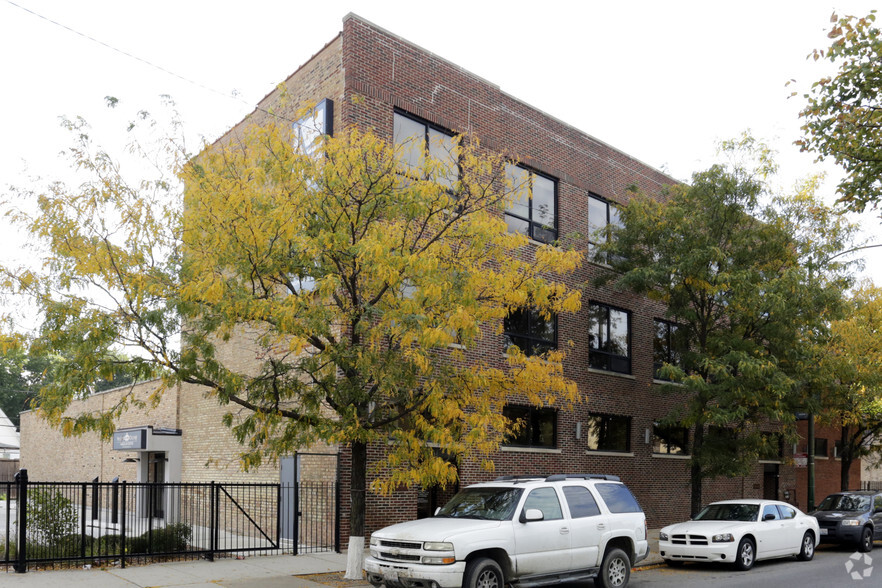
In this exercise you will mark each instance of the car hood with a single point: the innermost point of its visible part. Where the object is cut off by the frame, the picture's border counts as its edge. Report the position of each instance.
(434, 529)
(705, 527)
(835, 515)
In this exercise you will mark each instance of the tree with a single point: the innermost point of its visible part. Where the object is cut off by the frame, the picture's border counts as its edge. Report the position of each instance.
(21, 375)
(843, 115)
(367, 284)
(730, 276)
(852, 399)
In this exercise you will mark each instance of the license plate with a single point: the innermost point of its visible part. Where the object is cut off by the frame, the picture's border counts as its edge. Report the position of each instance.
(391, 575)
(823, 531)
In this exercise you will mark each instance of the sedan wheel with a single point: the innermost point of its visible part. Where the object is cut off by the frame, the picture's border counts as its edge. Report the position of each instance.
(807, 551)
(746, 555)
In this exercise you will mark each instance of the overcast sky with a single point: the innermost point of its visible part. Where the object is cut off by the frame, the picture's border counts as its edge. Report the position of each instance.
(660, 80)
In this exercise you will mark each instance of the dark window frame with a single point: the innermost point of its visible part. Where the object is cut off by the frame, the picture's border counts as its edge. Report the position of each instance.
(606, 360)
(530, 435)
(534, 227)
(604, 436)
(323, 113)
(427, 126)
(532, 316)
(592, 242)
(821, 447)
(659, 439)
(671, 356)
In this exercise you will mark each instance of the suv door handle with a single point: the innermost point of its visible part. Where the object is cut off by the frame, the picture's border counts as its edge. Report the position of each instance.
(601, 526)
(564, 530)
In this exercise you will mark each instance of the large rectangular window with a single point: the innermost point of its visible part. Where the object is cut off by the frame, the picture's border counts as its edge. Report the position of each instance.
(609, 338)
(820, 447)
(528, 330)
(668, 346)
(539, 426)
(670, 440)
(601, 214)
(319, 121)
(533, 210)
(415, 139)
(609, 433)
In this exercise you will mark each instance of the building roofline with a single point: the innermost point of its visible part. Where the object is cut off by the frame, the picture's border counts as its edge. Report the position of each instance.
(589, 137)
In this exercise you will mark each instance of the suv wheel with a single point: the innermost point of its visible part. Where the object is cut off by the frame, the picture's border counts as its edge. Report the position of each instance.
(483, 573)
(746, 555)
(866, 542)
(615, 571)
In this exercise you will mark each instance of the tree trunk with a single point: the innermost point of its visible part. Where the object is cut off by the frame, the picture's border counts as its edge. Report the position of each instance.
(845, 459)
(355, 553)
(695, 470)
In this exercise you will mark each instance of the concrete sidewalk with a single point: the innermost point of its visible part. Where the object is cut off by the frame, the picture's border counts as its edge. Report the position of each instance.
(316, 570)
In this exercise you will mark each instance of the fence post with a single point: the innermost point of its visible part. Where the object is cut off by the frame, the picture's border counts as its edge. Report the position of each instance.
(213, 522)
(296, 484)
(337, 508)
(95, 501)
(21, 479)
(114, 501)
(83, 523)
(122, 534)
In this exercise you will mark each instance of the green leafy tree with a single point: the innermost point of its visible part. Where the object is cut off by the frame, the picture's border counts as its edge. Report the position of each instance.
(852, 397)
(730, 274)
(842, 119)
(367, 286)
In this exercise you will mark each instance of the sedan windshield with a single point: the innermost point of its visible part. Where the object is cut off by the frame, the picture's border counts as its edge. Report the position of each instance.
(496, 504)
(729, 512)
(848, 502)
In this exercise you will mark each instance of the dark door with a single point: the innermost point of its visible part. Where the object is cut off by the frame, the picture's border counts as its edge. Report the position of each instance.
(156, 478)
(770, 481)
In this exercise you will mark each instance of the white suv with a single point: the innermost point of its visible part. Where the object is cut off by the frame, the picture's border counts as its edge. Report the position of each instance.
(526, 531)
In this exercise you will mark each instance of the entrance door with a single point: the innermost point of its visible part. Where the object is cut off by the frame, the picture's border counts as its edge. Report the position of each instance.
(156, 479)
(288, 477)
(770, 481)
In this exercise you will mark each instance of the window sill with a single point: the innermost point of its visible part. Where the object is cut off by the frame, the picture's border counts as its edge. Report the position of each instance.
(509, 448)
(670, 456)
(772, 461)
(610, 453)
(614, 374)
(667, 382)
(821, 457)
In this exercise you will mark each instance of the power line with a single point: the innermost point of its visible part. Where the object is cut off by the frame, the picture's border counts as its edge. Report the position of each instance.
(144, 61)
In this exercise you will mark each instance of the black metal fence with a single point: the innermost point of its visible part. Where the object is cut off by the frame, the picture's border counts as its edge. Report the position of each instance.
(56, 522)
(871, 485)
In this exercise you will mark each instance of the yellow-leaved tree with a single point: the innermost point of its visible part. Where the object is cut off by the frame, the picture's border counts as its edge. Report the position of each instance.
(369, 284)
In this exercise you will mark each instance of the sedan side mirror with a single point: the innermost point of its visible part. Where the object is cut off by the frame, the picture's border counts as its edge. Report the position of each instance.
(769, 517)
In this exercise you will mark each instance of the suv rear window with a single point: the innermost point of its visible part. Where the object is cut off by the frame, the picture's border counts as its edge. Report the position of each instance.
(618, 498)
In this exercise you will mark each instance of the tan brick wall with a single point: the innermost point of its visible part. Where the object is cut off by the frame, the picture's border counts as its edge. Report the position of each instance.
(49, 456)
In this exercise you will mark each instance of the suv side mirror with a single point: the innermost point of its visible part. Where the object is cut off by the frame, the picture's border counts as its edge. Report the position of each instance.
(532, 514)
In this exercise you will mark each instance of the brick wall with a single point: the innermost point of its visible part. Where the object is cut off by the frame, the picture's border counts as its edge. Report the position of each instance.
(827, 468)
(49, 456)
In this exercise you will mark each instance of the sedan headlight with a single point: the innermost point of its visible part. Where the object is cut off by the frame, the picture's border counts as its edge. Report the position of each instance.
(662, 536)
(850, 522)
(723, 538)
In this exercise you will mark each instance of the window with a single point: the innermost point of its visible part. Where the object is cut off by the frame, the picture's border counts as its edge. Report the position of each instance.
(415, 139)
(545, 499)
(533, 210)
(618, 498)
(668, 346)
(770, 513)
(820, 447)
(772, 447)
(609, 338)
(539, 426)
(837, 448)
(609, 433)
(317, 122)
(529, 331)
(670, 440)
(601, 213)
(581, 502)
(786, 512)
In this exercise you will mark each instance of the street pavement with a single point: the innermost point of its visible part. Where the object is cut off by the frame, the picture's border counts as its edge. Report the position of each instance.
(314, 570)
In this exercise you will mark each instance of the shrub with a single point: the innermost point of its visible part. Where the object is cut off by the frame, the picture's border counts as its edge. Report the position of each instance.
(171, 539)
(51, 516)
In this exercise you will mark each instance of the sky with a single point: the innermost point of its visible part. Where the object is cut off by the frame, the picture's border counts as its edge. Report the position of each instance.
(663, 81)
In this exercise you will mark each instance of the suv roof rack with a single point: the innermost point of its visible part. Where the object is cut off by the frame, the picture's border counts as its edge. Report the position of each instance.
(520, 477)
(559, 477)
